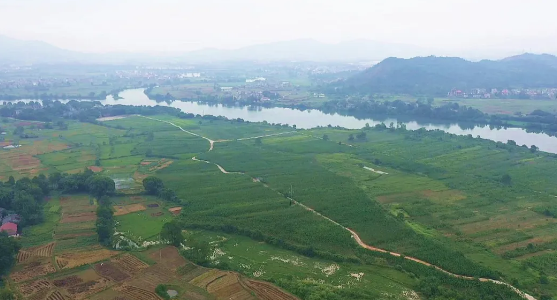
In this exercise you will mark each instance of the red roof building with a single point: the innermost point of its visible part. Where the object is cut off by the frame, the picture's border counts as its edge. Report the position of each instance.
(10, 228)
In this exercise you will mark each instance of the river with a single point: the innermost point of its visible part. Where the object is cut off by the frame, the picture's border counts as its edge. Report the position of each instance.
(314, 118)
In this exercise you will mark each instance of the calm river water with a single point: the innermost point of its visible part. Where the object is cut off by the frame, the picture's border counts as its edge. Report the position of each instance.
(314, 118)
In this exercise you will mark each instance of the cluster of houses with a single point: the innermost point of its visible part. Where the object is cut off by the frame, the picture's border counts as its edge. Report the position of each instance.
(9, 222)
(547, 93)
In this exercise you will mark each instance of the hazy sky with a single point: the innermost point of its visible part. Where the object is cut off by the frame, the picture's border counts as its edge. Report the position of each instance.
(174, 25)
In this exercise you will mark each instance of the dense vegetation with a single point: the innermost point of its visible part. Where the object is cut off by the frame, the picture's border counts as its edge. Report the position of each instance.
(438, 75)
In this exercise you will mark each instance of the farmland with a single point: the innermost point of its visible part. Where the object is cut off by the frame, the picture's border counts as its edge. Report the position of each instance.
(430, 195)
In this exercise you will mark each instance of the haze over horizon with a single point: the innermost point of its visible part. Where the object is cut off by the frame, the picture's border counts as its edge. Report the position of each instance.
(445, 27)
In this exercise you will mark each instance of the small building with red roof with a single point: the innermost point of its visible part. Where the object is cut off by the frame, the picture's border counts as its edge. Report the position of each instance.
(10, 228)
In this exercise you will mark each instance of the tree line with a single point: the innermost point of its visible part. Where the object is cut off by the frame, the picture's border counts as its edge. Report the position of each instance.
(537, 121)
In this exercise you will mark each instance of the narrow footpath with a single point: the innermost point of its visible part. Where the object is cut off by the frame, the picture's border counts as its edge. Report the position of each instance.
(354, 235)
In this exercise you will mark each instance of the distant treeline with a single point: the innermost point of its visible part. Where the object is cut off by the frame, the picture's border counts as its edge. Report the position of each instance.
(55, 96)
(537, 121)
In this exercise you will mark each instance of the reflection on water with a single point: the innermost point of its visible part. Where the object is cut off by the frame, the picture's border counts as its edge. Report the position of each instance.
(314, 118)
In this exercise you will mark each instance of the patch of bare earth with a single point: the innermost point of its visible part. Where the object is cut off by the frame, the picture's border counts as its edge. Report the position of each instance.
(128, 209)
(82, 217)
(95, 169)
(175, 210)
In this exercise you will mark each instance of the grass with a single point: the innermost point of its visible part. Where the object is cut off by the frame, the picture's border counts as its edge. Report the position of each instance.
(141, 226)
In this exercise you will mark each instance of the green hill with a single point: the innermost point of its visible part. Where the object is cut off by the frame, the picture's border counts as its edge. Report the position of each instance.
(438, 75)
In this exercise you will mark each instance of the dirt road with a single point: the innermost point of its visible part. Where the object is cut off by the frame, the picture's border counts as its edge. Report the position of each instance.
(211, 142)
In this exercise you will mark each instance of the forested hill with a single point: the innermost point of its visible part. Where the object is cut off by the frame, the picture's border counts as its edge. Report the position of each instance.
(438, 75)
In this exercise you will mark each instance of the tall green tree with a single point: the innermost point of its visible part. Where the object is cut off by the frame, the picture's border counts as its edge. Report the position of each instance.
(153, 185)
(105, 223)
(101, 185)
(172, 232)
(9, 248)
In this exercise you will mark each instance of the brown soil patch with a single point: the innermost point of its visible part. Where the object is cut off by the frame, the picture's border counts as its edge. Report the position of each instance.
(85, 289)
(21, 162)
(39, 251)
(68, 281)
(34, 287)
(153, 276)
(33, 270)
(162, 164)
(207, 278)
(42, 147)
(5, 143)
(267, 291)
(111, 271)
(137, 293)
(82, 217)
(95, 169)
(228, 287)
(128, 209)
(160, 213)
(129, 263)
(146, 163)
(170, 256)
(76, 259)
(175, 210)
(56, 295)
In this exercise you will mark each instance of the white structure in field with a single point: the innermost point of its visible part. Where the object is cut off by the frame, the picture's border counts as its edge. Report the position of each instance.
(255, 79)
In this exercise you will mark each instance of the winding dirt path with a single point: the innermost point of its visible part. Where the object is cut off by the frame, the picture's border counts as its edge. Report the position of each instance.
(211, 142)
(218, 166)
(354, 235)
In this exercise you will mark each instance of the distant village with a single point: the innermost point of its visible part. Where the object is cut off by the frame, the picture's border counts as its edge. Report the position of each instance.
(545, 93)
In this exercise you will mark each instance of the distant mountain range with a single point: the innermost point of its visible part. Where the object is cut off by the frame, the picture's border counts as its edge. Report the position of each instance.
(438, 75)
(19, 51)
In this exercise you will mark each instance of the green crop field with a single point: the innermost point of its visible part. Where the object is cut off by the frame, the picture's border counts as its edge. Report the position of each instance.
(470, 206)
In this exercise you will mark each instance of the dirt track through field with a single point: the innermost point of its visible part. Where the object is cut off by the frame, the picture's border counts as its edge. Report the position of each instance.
(355, 236)
(211, 142)
(267, 135)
